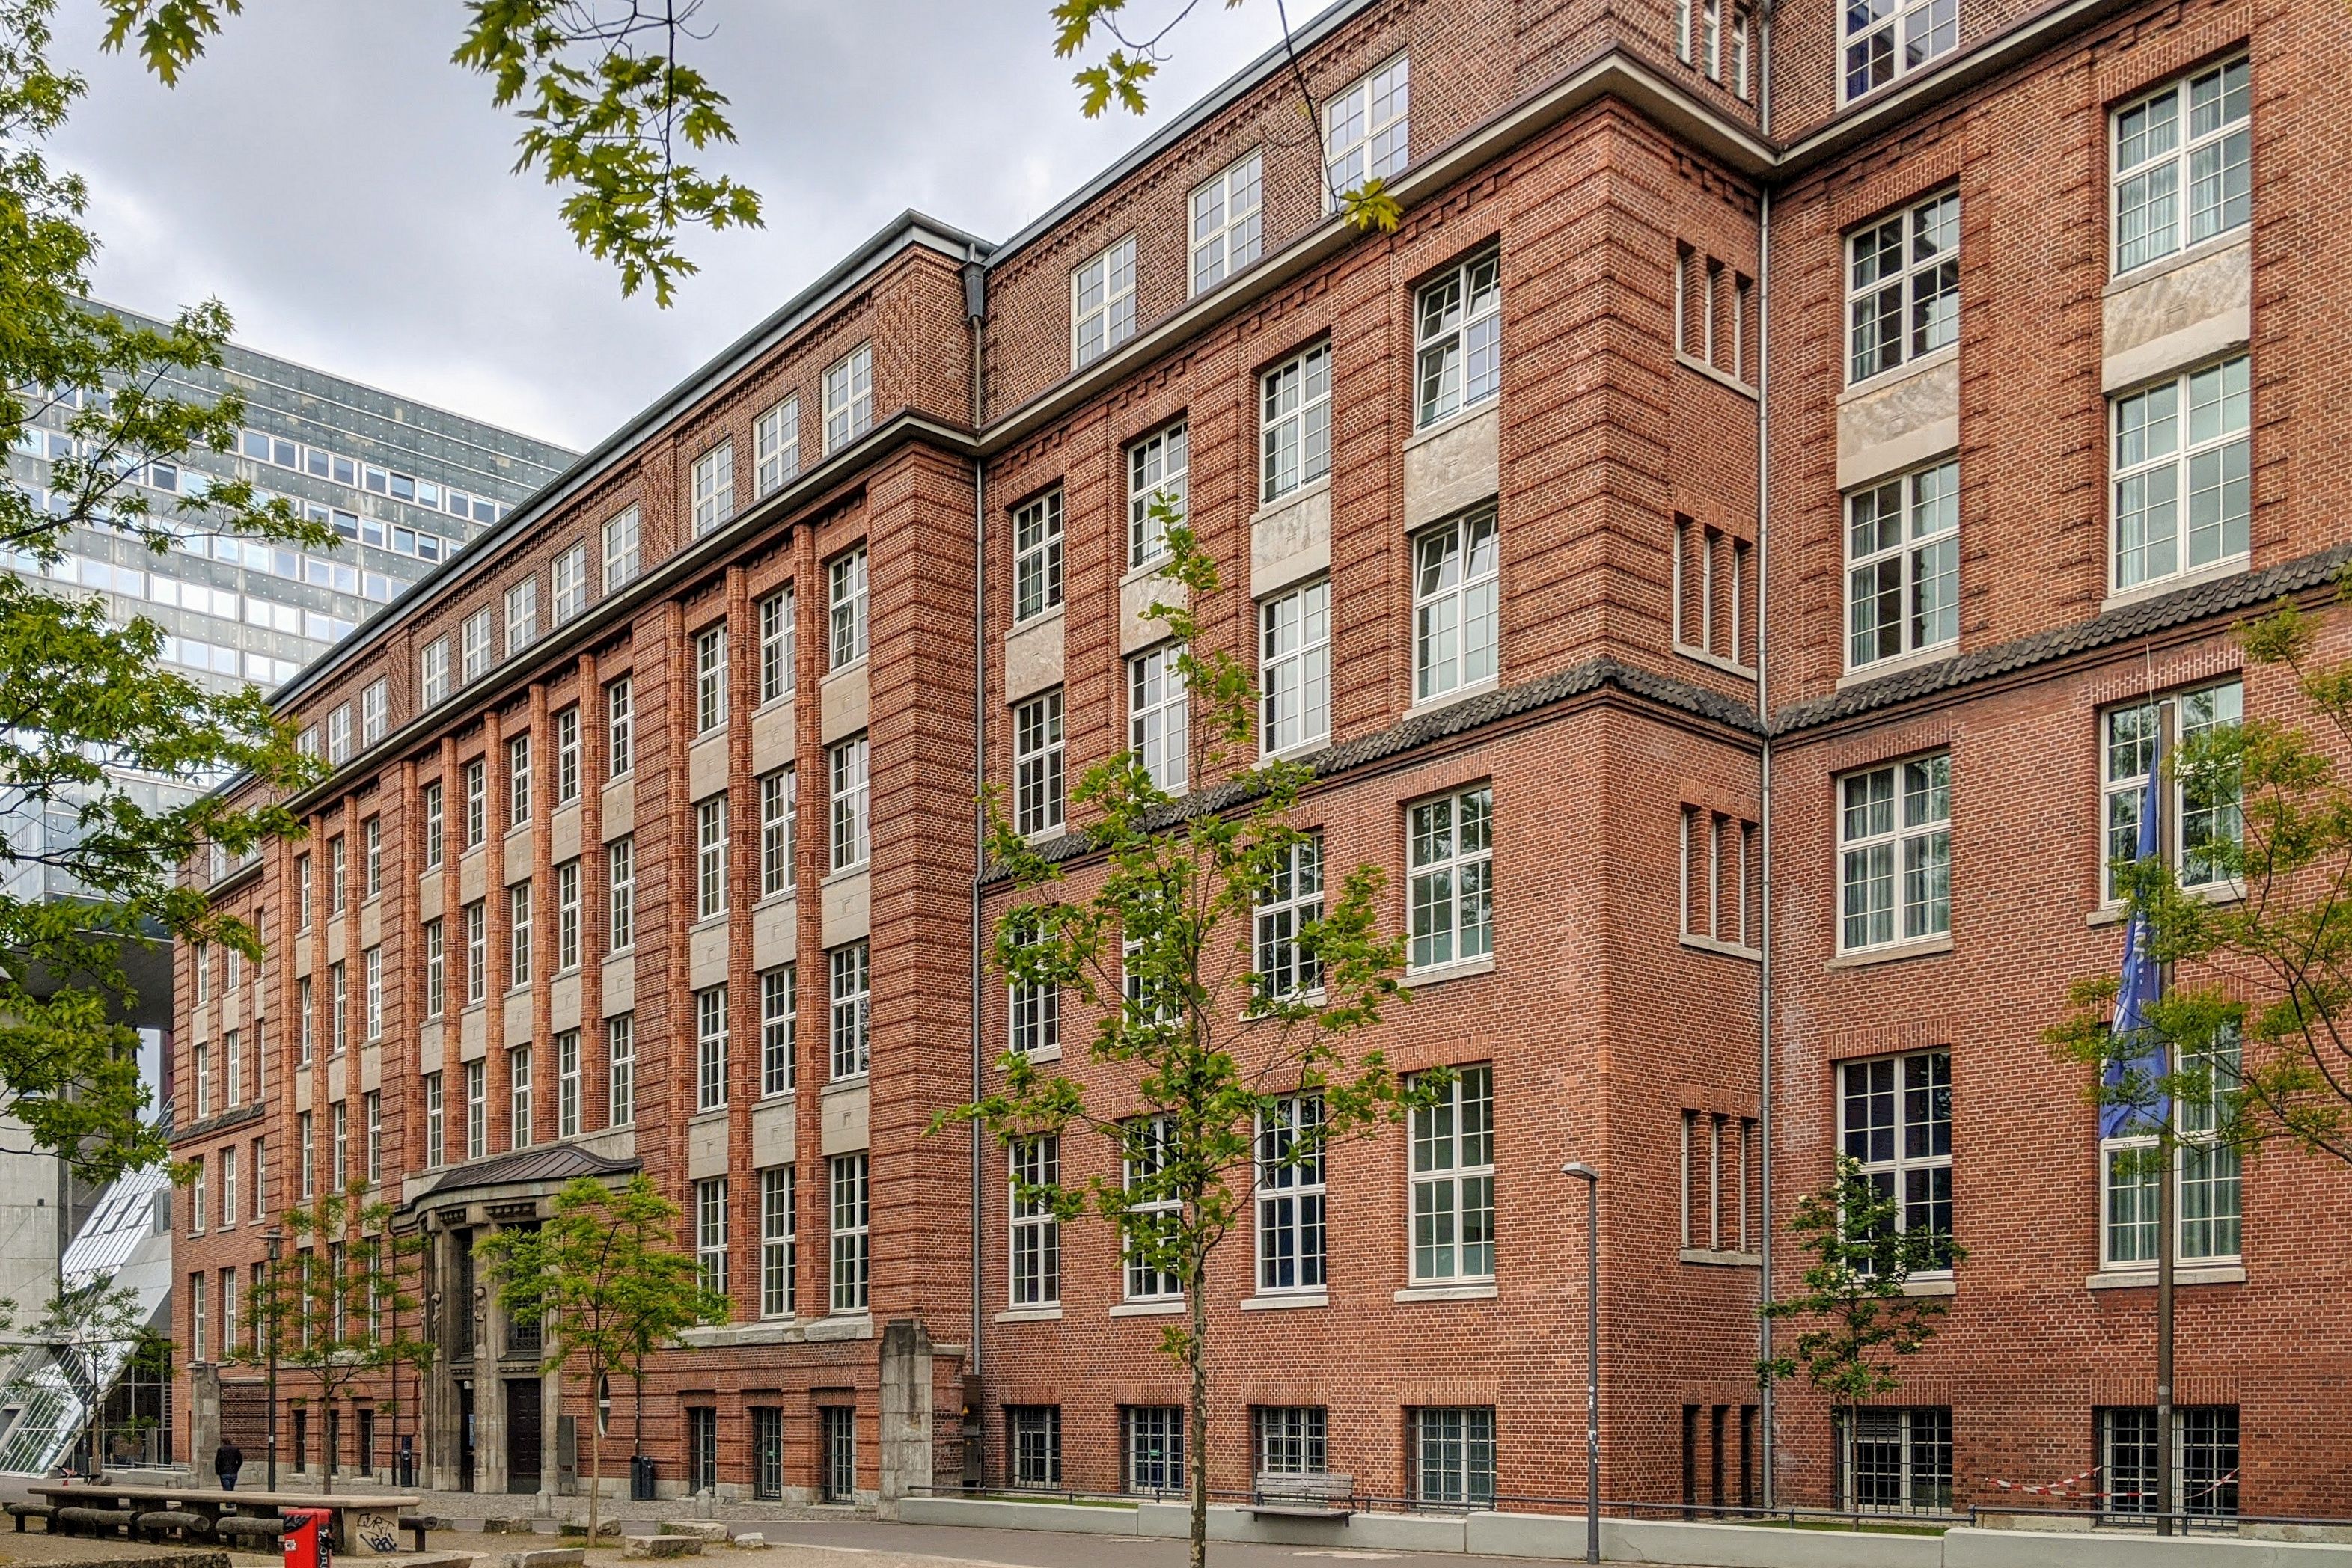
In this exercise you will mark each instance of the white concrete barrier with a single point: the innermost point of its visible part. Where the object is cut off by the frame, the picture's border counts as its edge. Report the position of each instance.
(1709, 1545)
(1967, 1548)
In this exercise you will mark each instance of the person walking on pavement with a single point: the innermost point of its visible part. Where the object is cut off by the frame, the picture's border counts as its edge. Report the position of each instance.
(228, 1460)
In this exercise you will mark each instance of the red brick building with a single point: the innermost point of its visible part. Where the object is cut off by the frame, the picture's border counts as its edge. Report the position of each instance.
(1715, 555)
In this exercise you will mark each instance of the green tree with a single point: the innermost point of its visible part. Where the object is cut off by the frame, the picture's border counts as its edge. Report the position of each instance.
(1864, 1323)
(91, 1330)
(80, 694)
(604, 1276)
(1223, 1054)
(337, 1310)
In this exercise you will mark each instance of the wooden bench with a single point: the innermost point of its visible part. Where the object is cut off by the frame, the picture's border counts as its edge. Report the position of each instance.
(1304, 1497)
(21, 1512)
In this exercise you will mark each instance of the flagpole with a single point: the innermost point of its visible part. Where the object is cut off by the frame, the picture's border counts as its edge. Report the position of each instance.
(2165, 1502)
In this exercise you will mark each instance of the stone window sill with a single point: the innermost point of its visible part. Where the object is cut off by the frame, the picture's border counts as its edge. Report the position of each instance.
(1438, 974)
(1699, 943)
(1714, 661)
(2182, 1274)
(1294, 495)
(1030, 1316)
(1894, 952)
(1714, 373)
(858, 1325)
(1428, 433)
(1473, 1290)
(2187, 256)
(1721, 1258)
(1276, 1303)
(1902, 372)
(1447, 699)
(2155, 588)
(1147, 1309)
(1896, 663)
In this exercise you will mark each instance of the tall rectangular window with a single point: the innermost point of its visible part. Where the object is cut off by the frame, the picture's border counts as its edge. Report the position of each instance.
(1158, 717)
(1458, 338)
(848, 398)
(476, 774)
(1894, 1114)
(518, 781)
(621, 862)
(1456, 606)
(567, 918)
(1227, 218)
(1033, 1434)
(779, 644)
(518, 935)
(621, 1071)
(432, 672)
(846, 602)
(338, 735)
(1290, 1195)
(780, 1015)
(2208, 821)
(1454, 1456)
(1152, 1448)
(371, 860)
(1148, 1142)
(225, 1163)
(371, 1105)
(1453, 1180)
(1037, 555)
(779, 1242)
(620, 728)
(1289, 1439)
(301, 923)
(2183, 457)
(305, 1142)
(433, 807)
(305, 1022)
(1903, 286)
(2205, 1172)
(1034, 1252)
(710, 1049)
(1367, 131)
(851, 1213)
(1903, 565)
(339, 1003)
(853, 985)
(1295, 424)
(518, 1097)
(1034, 1011)
(567, 755)
(711, 858)
(714, 488)
(1037, 764)
(474, 646)
(622, 545)
(847, 765)
(523, 615)
(1451, 889)
(710, 1233)
(436, 984)
(1295, 668)
(338, 876)
(2205, 1468)
(1896, 1461)
(436, 1151)
(2183, 168)
(1102, 303)
(375, 712)
(776, 446)
(710, 678)
(567, 582)
(567, 1084)
(779, 830)
(477, 951)
(1895, 832)
(1158, 469)
(1292, 901)
(1889, 39)
(371, 1007)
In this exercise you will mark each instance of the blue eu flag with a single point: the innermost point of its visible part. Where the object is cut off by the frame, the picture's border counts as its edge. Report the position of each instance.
(2138, 1058)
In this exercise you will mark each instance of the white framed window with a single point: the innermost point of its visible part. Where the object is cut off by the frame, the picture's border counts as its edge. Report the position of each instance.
(1367, 131)
(1227, 216)
(478, 802)
(432, 808)
(436, 1149)
(1886, 39)
(621, 883)
(1895, 832)
(2188, 145)
(713, 493)
(518, 780)
(1903, 565)
(227, 1161)
(710, 857)
(2128, 737)
(1034, 1270)
(846, 763)
(845, 584)
(1290, 1195)
(338, 735)
(371, 864)
(622, 545)
(372, 1003)
(1453, 1180)
(2205, 1468)
(1292, 901)
(1456, 606)
(1294, 669)
(301, 923)
(779, 830)
(1033, 1436)
(1033, 1012)
(852, 1213)
(1450, 887)
(338, 877)
(518, 935)
(1290, 1438)
(710, 1233)
(523, 615)
(478, 1110)
(1903, 286)
(780, 1023)
(567, 918)
(710, 1049)
(851, 1012)
(620, 728)
(1102, 303)
(1037, 764)
(567, 1084)
(339, 1005)
(2205, 1173)
(477, 951)
(1720, 892)
(1895, 1461)
(567, 582)
(371, 1105)
(2183, 457)
(306, 1139)
(1895, 1118)
(432, 672)
(306, 1023)
(567, 755)
(518, 1098)
(1158, 717)
(779, 1243)
(1458, 339)
(1156, 472)
(776, 446)
(474, 639)
(710, 678)
(1295, 423)
(1454, 1456)
(1038, 556)
(436, 980)
(1710, 39)
(620, 1070)
(1149, 1141)
(1152, 1448)
(848, 398)
(779, 644)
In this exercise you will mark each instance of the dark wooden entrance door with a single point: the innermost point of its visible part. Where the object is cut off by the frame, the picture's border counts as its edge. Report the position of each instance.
(465, 1436)
(522, 1435)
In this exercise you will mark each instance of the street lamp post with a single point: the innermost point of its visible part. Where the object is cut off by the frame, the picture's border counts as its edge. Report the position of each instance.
(1591, 1177)
(270, 1304)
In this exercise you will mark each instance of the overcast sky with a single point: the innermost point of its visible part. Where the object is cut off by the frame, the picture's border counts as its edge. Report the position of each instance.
(327, 173)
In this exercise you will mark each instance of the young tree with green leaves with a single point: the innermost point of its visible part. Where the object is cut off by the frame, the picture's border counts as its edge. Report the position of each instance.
(338, 1308)
(1862, 1321)
(91, 1330)
(1220, 1046)
(605, 1276)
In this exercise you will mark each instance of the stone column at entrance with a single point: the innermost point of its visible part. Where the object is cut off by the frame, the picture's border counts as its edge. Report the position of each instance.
(444, 1437)
(905, 1412)
(489, 1389)
(204, 1415)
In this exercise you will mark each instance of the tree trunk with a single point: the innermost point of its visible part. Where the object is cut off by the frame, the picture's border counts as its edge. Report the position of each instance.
(1198, 1365)
(595, 1453)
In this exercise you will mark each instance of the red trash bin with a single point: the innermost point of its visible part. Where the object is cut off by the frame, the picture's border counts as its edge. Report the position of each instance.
(309, 1537)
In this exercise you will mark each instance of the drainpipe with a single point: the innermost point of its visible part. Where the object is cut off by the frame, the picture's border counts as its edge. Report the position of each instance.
(975, 307)
(1764, 764)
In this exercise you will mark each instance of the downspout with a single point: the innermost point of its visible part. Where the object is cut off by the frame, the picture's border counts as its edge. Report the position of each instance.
(975, 306)
(1764, 764)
